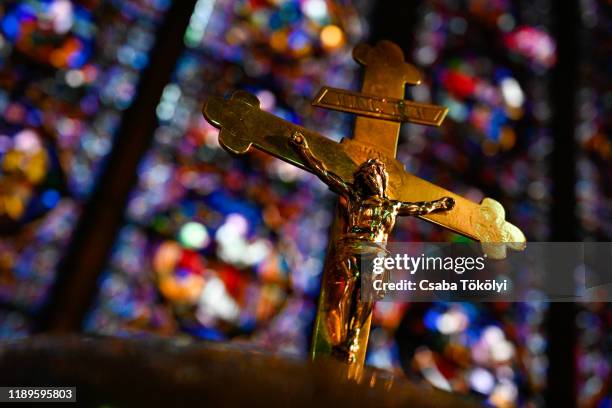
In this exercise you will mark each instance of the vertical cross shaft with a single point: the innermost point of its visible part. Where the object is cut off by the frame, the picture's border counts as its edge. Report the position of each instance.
(343, 318)
(386, 74)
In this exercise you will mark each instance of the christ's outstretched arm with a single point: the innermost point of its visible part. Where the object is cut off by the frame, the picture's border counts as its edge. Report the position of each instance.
(335, 182)
(426, 207)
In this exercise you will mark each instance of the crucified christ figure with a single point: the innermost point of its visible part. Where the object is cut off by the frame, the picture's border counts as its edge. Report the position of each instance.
(370, 218)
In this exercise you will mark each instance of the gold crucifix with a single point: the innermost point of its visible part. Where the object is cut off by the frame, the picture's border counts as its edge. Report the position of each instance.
(375, 186)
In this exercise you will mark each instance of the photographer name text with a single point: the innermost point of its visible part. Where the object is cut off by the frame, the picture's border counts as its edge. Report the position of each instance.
(486, 285)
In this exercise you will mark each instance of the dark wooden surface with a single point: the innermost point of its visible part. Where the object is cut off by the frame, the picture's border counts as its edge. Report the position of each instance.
(133, 373)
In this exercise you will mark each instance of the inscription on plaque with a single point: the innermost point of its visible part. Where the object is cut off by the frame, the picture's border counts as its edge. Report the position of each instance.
(396, 110)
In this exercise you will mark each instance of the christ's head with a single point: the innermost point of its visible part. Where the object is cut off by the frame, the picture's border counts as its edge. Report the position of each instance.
(371, 178)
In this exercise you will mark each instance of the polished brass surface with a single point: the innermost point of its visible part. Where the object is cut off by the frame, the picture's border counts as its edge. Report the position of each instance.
(378, 107)
(343, 322)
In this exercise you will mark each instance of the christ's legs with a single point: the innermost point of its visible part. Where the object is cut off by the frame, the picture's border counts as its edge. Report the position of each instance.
(363, 310)
(346, 310)
(339, 298)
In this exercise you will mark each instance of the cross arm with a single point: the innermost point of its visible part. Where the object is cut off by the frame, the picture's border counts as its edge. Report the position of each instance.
(243, 125)
(484, 222)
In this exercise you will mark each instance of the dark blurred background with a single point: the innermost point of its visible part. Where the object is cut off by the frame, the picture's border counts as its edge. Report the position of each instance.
(121, 215)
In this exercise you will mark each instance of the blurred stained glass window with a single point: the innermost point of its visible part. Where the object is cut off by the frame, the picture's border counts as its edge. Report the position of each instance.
(68, 69)
(223, 248)
(594, 193)
(488, 62)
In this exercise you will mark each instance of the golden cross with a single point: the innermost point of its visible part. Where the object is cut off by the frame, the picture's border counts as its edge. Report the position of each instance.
(381, 109)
